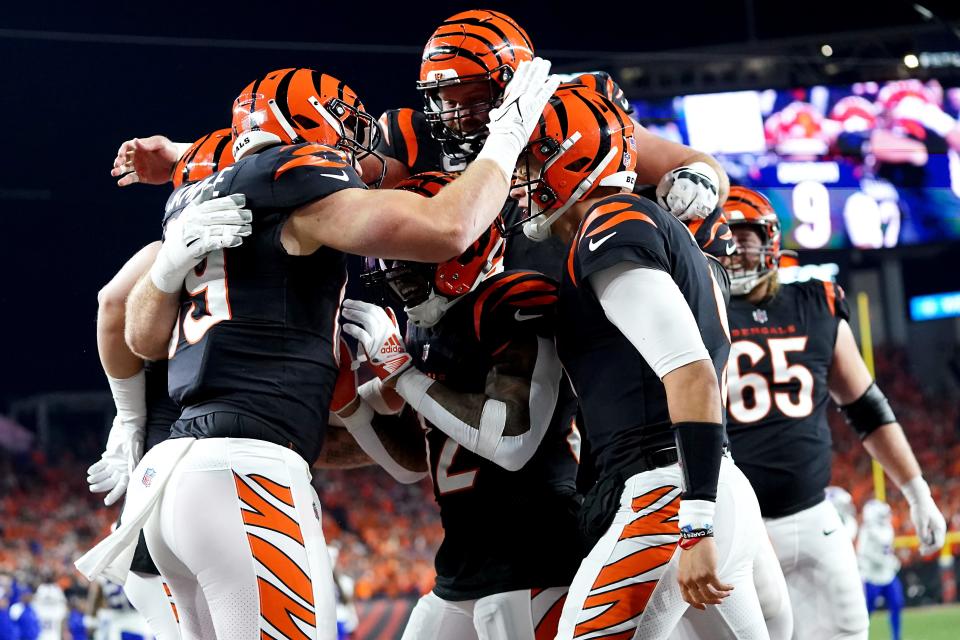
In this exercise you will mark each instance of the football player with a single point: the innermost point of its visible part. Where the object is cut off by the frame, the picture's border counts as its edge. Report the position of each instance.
(144, 409)
(480, 369)
(793, 349)
(255, 328)
(466, 64)
(642, 335)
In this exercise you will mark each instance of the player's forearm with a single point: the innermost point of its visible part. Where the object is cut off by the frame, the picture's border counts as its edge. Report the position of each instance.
(693, 393)
(466, 207)
(389, 441)
(341, 451)
(115, 356)
(888, 445)
(504, 425)
(151, 317)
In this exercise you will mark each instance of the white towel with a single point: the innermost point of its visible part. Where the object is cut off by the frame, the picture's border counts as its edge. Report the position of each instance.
(111, 557)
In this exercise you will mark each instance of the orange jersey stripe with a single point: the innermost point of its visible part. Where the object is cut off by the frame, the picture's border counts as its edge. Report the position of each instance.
(405, 122)
(831, 294)
(478, 305)
(621, 217)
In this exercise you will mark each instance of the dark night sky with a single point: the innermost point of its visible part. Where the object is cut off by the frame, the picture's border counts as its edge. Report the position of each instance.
(65, 228)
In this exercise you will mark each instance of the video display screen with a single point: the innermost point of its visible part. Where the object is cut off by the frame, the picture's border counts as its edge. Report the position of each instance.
(870, 165)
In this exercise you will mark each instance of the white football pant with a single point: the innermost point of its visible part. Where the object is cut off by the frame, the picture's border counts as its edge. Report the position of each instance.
(627, 586)
(237, 538)
(820, 566)
(528, 614)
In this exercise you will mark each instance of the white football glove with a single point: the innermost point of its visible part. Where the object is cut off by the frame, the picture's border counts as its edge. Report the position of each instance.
(375, 328)
(200, 228)
(512, 123)
(123, 452)
(927, 519)
(689, 192)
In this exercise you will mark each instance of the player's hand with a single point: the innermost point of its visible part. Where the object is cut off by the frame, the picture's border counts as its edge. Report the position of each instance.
(147, 160)
(699, 583)
(927, 519)
(689, 192)
(123, 452)
(512, 123)
(345, 388)
(202, 227)
(376, 329)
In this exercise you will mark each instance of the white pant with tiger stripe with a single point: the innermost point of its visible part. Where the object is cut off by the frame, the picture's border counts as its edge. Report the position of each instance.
(237, 538)
(627, 586)
(527, 614)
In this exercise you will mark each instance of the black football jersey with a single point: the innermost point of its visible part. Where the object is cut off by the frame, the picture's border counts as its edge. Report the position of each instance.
(623, 402)
(257, 327)
(780, 356)
(162, 412)
(490, 515)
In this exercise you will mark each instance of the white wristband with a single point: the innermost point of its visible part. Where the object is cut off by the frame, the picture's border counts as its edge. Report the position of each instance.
(915, 490)
(164, 277)
(697, 514)
(412, 385)
(503, 150)
(130, 398)
(372, 392)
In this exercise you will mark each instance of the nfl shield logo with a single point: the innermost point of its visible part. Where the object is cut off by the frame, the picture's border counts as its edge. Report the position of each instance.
(148, 476)
(760, 315)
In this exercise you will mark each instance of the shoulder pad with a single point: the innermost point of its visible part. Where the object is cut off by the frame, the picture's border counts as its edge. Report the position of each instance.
(621, 228)
(511, 302)
(402, 132)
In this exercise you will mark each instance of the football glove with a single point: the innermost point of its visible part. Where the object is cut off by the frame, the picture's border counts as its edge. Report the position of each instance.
(927, 519)
(202, 227)
(689, 192)
(123, 452)
(512, 123)
(375, 328)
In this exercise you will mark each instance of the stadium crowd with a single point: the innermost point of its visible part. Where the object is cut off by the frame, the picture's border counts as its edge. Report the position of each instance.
(387, 533)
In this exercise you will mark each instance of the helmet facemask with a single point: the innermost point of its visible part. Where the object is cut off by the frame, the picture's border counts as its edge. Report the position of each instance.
(447, 125)
(749, 267)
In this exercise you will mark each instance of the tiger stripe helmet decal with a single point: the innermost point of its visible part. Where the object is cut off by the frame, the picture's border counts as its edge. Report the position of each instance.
(206, 156)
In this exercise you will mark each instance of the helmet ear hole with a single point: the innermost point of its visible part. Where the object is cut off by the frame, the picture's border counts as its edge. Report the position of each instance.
(578, 165)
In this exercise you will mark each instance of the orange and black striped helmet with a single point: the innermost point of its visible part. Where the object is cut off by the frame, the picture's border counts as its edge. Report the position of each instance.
(290, 106)
(483, 47)
(426, 291)
(206, 156)
(746, 207)
(583, 141)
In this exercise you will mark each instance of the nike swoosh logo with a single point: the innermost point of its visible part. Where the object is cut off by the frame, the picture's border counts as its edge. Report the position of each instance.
(826, 533)
(343, 176)
(594, 244)
(521, 318)
(731, 249)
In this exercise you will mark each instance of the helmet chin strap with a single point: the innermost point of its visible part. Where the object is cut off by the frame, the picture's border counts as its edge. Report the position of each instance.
(538, 229)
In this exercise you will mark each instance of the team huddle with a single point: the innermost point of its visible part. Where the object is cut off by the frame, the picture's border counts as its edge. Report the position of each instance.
(621, 408)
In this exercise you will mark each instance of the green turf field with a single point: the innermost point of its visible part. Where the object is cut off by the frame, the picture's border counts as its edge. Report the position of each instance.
(920, 623)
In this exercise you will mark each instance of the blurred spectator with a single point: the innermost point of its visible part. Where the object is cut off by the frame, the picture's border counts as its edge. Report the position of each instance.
(25, 618)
